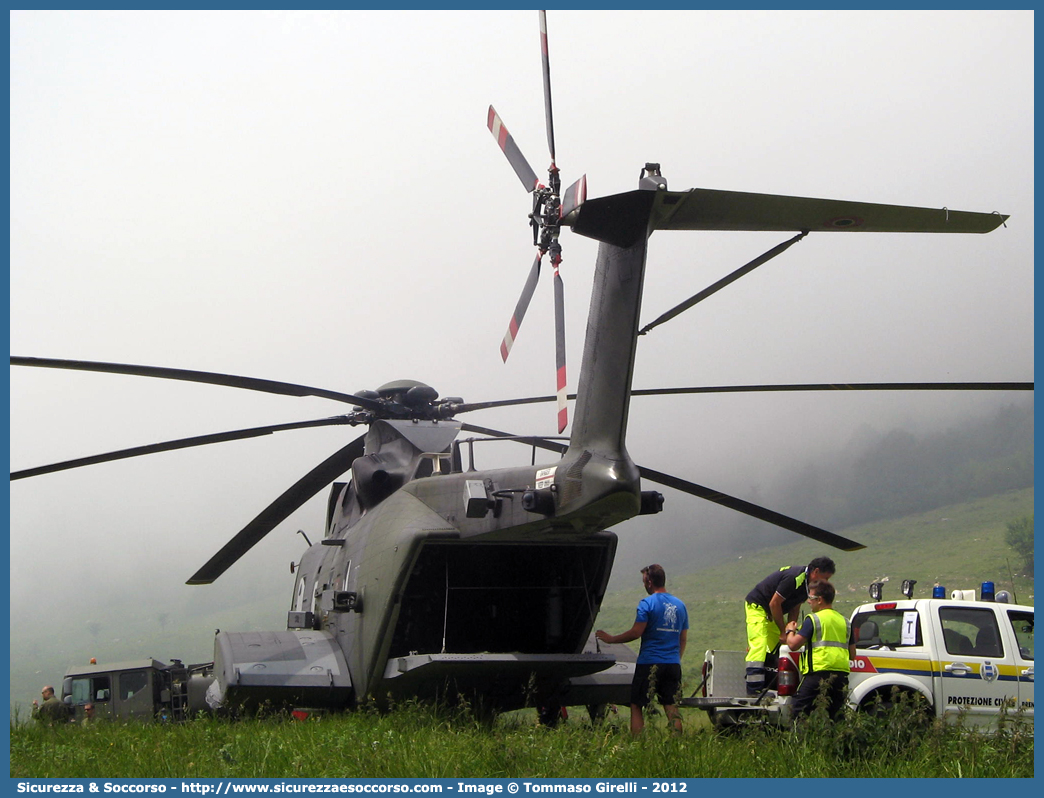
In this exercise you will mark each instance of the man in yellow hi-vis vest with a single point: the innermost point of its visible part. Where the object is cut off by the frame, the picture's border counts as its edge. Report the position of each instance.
(774, 600)
(829, 647)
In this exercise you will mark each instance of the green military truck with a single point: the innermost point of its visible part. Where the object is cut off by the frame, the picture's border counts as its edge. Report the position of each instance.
(143, 689)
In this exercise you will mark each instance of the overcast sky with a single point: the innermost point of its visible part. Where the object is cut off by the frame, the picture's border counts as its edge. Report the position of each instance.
(314, 197)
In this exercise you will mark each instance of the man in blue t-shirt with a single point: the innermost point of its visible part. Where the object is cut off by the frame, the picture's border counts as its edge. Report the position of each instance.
(662, 622)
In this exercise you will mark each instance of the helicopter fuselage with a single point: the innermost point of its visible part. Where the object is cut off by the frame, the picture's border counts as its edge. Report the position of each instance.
(447, 587)
(439, 580)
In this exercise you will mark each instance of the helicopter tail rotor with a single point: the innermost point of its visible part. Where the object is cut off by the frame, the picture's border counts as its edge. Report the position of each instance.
(550, 208)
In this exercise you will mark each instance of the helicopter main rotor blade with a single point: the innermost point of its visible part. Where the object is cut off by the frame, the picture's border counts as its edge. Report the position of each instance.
(822, 386)
(716, 496)
(521, 307)
(182, 443)
(211, 378)
(278, 511)
(511, 151)
(851, 386)
(547, 86)
(560, 347)
(535, 440)
(753, 510)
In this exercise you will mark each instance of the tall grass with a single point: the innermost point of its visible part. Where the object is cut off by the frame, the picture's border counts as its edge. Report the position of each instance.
(416, 741)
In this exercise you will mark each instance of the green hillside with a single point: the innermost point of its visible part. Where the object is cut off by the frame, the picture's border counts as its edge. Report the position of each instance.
(958, 546)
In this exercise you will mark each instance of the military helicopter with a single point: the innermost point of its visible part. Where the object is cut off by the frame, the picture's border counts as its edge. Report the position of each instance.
(434, 578)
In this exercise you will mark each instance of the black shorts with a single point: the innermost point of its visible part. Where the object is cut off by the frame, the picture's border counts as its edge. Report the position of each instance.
(663, 679)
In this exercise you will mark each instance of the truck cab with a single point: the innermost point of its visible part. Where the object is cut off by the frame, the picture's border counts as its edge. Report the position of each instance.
(142, 689)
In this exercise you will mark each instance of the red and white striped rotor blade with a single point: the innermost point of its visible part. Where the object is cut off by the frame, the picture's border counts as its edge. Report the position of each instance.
(560, 349)
(521, 307)
(511, 151)
(573, 197)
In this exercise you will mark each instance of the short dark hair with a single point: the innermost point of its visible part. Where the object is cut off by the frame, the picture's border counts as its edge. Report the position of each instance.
(824, 590)
(656, 575)
(824, 564)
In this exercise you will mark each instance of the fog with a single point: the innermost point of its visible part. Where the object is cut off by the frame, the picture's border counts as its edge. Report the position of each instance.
(314, 197)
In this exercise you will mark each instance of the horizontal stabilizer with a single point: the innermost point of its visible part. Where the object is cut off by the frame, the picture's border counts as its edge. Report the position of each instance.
(710, 209)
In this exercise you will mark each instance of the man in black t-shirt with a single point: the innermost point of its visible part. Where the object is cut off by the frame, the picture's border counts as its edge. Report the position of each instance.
(779, 594)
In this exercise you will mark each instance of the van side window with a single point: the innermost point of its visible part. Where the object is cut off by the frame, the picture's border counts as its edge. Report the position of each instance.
(1022, 625)
(884, 629)
(971, 632)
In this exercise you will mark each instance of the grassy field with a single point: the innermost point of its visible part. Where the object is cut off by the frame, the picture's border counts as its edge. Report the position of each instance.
(419, 742)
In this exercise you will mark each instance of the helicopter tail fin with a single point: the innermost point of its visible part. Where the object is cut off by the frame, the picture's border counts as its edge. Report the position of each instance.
(597, 468)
